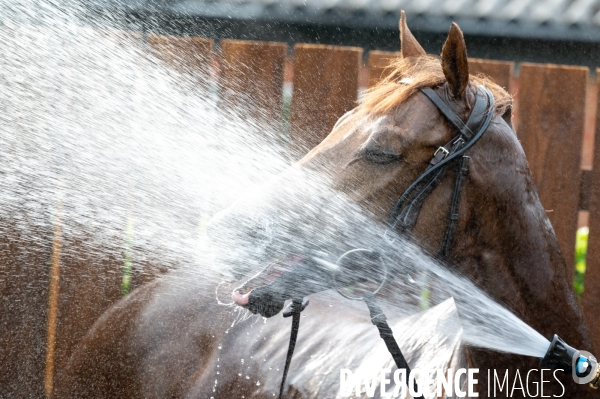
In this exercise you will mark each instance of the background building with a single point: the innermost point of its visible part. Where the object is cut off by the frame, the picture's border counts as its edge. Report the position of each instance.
(556, 31)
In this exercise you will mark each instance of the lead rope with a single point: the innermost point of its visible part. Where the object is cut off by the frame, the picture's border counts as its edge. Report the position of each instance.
(294, 310)
(385, 332)
(451, 151)
(377, 318)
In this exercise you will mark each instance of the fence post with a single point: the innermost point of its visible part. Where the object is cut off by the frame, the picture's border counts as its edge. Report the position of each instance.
(53, 292)
(25, 238)
(499, 71)
(325, 87)
(379, 65)
(187, 55)
(591, 293)
(552, 109)
(251, 80)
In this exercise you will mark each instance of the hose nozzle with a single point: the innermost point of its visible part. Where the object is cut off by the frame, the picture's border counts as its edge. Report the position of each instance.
(581, 365)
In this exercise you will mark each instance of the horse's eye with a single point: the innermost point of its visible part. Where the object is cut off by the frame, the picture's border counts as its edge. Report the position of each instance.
(380, 156)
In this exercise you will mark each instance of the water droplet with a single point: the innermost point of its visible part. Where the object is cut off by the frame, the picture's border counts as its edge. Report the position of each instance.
(257, 383)
(220, 346)
(218, 372)
(239, 374)
(247, 377)
(242, 361)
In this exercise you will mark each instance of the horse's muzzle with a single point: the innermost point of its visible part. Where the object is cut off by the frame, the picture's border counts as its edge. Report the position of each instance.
(266, 293)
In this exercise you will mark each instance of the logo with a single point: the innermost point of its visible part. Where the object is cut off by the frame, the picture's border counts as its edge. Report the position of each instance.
(585, 367)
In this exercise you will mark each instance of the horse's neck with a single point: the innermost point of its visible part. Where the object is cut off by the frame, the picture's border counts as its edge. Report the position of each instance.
(507, 244)
(510, 232)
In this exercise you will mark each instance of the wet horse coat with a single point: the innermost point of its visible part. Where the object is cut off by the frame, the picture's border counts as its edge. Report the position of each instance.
(170, 340)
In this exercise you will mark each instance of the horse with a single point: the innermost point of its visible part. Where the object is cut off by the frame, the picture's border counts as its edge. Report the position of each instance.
(170, 339)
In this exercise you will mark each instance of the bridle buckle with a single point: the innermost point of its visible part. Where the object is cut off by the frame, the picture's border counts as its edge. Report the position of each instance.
(441, 149)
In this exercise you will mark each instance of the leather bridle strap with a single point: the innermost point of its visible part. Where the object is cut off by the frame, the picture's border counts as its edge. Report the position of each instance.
(480, 118)
(385, 332)
(475, 118)
(404, 217)
(463, 129)
(459, 181)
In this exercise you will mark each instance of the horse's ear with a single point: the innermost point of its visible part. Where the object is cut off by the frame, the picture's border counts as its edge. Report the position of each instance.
(454, 61)
(409, 46)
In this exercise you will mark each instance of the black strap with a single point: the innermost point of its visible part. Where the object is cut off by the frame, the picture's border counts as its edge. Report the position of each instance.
(385, 332)
(475, 118)
(479, 120)
(463, 129)
(483, 108)
(459, 181)
(409, 214)
(294, 310)
(405, 217)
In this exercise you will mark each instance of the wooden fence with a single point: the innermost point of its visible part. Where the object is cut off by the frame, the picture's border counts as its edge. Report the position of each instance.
(555, 114)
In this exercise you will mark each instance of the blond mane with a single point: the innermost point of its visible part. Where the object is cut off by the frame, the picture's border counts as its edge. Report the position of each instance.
(410, 74)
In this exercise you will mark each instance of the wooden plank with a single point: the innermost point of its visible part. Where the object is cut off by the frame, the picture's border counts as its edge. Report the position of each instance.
(587, 153)
(499, 71)
(551, 105)
(188, 55)
(90, 282)
(23, 310)
(27, 59)
(88, 273)
(251, 80)
(53, 292)
(325, 87)
(379, 65)
(591, 294)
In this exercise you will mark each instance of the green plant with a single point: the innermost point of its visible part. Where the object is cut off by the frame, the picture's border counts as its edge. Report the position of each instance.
(581, 244)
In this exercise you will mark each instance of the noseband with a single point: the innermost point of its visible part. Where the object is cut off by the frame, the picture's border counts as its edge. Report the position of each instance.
(406, 211)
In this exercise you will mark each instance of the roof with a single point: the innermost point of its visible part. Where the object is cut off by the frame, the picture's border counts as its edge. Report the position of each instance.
(574, 20)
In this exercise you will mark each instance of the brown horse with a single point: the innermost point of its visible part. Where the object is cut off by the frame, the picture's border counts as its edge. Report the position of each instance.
(170, 338)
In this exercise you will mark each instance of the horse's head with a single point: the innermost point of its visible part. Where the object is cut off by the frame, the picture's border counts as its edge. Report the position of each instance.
(372, 155)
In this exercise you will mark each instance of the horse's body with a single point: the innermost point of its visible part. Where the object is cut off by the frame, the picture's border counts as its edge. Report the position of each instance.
(170, 340)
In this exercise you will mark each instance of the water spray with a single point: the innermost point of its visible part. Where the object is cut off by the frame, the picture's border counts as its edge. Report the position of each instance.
(582, 365)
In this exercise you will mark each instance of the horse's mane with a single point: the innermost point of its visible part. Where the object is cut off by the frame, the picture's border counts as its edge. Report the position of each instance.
(410, 74)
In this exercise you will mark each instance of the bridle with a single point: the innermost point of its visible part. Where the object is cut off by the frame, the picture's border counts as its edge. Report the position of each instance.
(405, 213)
